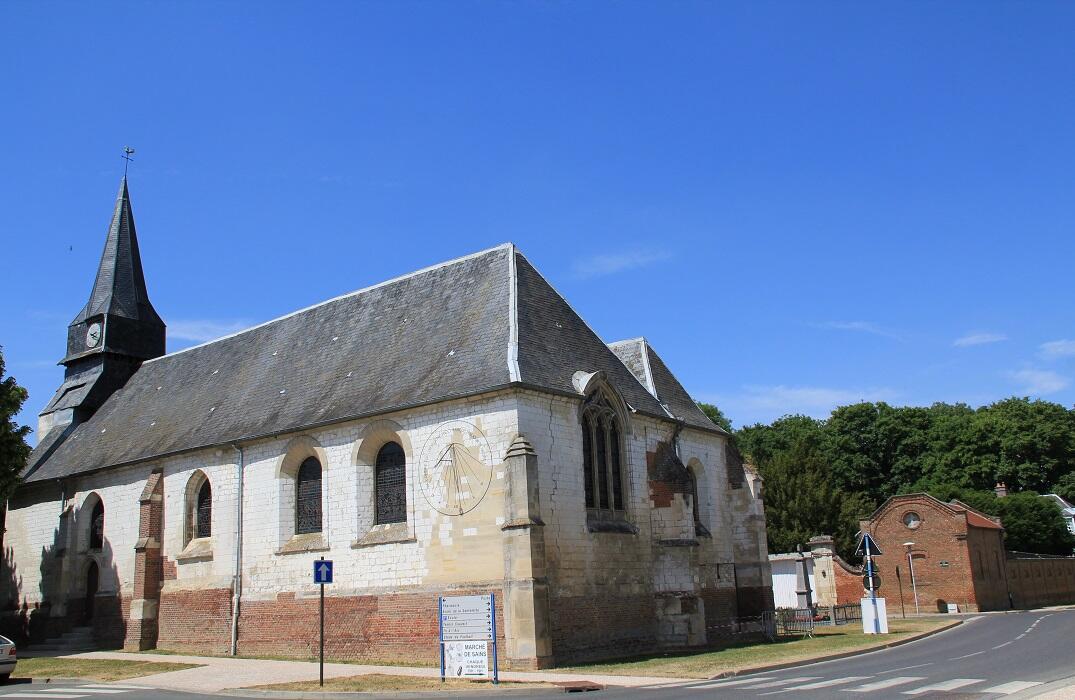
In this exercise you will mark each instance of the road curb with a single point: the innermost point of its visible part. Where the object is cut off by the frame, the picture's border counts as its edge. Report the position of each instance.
(835, 657)
(399, 694)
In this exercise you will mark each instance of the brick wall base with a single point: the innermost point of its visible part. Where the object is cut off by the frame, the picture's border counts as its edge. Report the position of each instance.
(589, 628)
(400, 627)
(196, 620)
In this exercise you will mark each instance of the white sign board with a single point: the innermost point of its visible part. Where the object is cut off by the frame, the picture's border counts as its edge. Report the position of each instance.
(874, 616)
(466, 659)
(466, 618)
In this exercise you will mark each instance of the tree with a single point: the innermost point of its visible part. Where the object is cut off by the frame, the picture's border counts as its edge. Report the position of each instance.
(761, 443)
(1065, 487)
(801, 501)
(13, 447)
(716, 415)
(1031, 523)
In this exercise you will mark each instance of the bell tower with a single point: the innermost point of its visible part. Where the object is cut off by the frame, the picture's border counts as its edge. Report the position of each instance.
(115, 331)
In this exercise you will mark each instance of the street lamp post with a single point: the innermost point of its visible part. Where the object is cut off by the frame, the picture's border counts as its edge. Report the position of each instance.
(910, 565)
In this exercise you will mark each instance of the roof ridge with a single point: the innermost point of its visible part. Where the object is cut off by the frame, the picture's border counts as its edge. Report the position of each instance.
(514, 373)
(385, 283)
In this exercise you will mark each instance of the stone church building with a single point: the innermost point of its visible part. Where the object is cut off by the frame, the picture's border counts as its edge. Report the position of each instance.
(456, 430)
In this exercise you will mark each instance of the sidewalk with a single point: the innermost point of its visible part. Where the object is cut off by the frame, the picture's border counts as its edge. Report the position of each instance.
(223, 673)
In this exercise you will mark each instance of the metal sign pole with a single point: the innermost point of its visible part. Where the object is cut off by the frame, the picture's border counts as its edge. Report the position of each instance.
(321, 662)
(440, 625)
(899, 580)
(873, 591)
(492, 616)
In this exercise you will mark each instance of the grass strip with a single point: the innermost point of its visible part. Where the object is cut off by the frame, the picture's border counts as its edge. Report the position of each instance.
(738, 657)
(94, 669)
(375, 682)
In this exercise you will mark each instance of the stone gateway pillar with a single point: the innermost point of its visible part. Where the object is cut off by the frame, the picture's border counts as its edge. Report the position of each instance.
(526, 588)
(148, 567)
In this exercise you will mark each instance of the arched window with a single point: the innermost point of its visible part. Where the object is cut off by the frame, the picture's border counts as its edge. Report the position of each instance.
(390, 495)
(601, 464)
(97, 525)
(308, 501)
(203, 513)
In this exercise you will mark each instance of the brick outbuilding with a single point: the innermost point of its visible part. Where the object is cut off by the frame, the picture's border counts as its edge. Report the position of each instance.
(957, 554)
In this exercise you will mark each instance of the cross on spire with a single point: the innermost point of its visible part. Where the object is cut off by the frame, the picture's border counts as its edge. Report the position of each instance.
(127, 153)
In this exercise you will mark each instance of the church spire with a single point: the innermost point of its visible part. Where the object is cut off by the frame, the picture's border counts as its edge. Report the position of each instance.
(118, 316)
(116, 331)
(120, 287)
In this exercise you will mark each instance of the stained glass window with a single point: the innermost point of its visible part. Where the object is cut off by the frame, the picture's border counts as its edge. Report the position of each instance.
(203, 525)
(601, 462)
(308, 497)
(391, 485)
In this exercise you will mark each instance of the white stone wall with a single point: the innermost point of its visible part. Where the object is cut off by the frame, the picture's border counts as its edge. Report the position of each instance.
(444, 551)
(582, 562)
(35, 531)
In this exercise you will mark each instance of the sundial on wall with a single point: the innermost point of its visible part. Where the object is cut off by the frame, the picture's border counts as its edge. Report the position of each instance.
(456, 468)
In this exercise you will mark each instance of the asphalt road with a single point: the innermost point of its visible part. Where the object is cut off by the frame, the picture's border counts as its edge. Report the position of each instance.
(1016, 655)
(87, 691)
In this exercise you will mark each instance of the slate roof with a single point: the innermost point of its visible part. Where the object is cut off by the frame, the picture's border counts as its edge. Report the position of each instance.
(476, 324)
(653, 374)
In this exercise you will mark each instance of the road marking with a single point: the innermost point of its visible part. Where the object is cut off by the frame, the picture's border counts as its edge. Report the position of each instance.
(38, 695)
(86, 689)
(903, 668)
(881, 685)
(819, 684)
(1021, 636)
(726, 684)
(117, 685)
(1013, 687)
(946, 685)
(966, 656)
(1002, 645)
(777, 684)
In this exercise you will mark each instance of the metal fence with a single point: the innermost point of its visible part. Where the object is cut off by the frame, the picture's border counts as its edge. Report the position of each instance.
(846, 614)
(763, 625)
(795, 621)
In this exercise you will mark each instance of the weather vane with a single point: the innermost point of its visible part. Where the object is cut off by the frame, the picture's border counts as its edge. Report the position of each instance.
(127, 153)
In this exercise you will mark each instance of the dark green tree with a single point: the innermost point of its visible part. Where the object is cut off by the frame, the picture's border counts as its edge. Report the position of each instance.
(801, 501)
(1031, 523)
(761, 443)
(13, 447)
(1065, 487)
(716, 415)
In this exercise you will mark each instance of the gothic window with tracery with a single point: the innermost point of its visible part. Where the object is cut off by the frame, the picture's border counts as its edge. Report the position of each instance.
(390, 487)
(97, 525)
(602, 467)
(308, 497)
(203, 522)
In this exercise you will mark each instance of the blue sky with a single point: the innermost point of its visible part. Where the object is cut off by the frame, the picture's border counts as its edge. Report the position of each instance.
(799, 204)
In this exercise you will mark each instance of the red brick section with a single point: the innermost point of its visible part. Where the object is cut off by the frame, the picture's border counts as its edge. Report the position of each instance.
(148, 567)
(400, 627)
(1041, 581)
(667, 476)
(197, 620)
(849, 582)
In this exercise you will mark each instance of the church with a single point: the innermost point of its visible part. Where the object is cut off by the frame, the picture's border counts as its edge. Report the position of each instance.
(457, 430)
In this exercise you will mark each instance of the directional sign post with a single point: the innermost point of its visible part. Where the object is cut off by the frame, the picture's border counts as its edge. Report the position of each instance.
(467, 630)
(871, 581)
(322, 575)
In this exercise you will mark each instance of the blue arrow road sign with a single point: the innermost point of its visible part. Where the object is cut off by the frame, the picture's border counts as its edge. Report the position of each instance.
(322, 571)
(867, 546)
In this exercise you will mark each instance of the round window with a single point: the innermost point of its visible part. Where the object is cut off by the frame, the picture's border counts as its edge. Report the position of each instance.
(911, 519)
